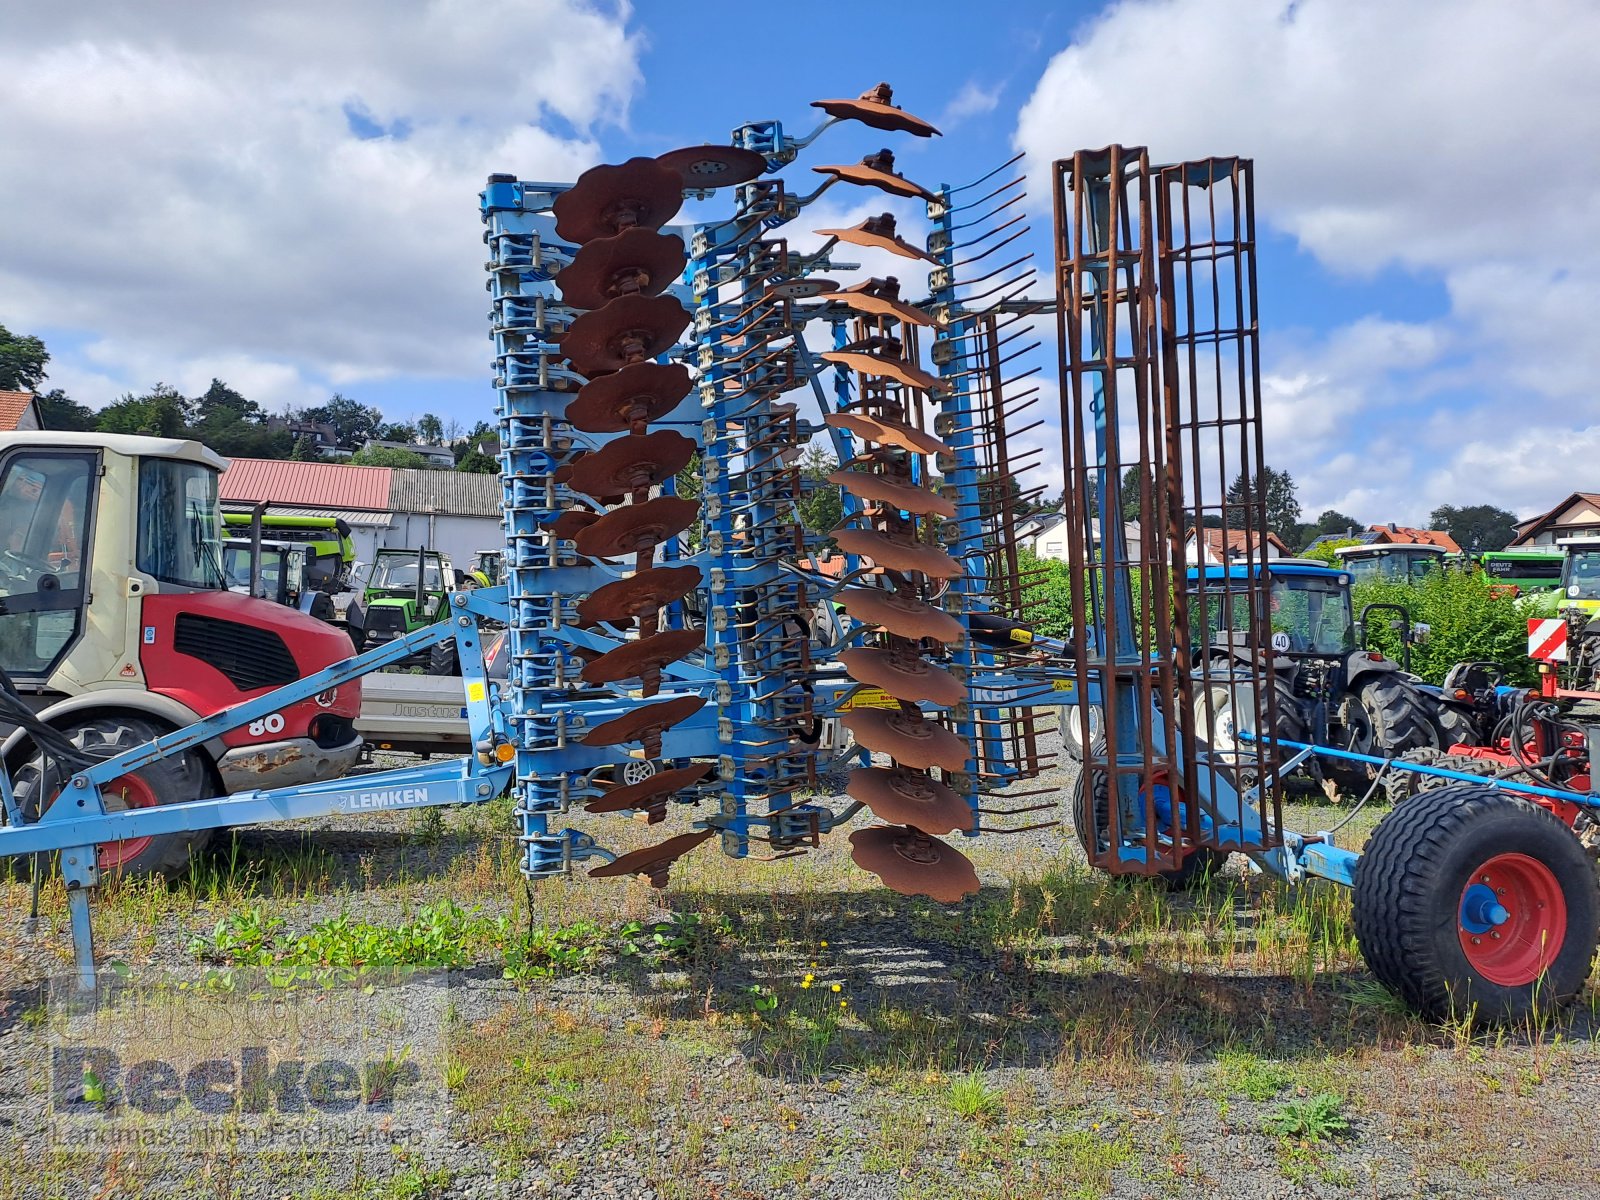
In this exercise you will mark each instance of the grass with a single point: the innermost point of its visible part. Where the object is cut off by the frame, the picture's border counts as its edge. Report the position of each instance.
(1052, 1036)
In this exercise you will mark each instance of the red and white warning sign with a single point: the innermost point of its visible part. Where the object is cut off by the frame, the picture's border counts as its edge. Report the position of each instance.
(1547, 639)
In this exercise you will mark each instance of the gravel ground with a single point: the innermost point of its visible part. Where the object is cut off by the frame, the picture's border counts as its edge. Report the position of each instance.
(979, 1056)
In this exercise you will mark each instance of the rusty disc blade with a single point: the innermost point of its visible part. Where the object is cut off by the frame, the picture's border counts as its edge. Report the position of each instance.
(881, 298)
(904, 797)
(636, 528)
(643, 392)
(572, 522)
(912, 741)
(635, 461)
(877, 170)
(647, 793)
(714, 166)
(646, 719)
(895, 553)
(629, 329)
(636, 262)
(638, 595)
(632, 660)
(903, 615)
(913, 864)
(901, 370)
(609, 198)
(653, 862)
(877, 109)
(888, 432)
(879, 233)
(802, 289)
(907, 497)
(905, 677)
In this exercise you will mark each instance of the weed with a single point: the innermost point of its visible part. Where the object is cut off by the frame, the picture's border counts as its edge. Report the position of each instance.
(973, 1099)
(544, 952)
(1241, 1073)
(414, 1183)
(1319, 1118)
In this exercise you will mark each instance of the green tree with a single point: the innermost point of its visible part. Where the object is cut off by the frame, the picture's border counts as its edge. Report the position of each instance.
(303, 450)
(397, 431)
(474, 463)
(352, 421)
(1330, 523)
(22, 360)
(1277, 490)
(1046, 594)
(60, 412)
(430, 429)
(1475, 527)
(376, 456)
(233, 425)
(162, 412)
(822, 504)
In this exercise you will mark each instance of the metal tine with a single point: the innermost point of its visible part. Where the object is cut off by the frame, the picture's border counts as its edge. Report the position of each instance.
(997, 246)
(987, 234)
(1023, 280)
(1012, 161)
(1004, 829)
(991, 214)
(986, 367)
(984, 199)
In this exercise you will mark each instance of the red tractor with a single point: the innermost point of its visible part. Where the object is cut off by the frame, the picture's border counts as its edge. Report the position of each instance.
(117, 625)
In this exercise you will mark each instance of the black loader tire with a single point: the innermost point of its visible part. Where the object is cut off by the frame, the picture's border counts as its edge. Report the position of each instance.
(1408, 902)
(443, 659)
(1201, 862)
(176, 778)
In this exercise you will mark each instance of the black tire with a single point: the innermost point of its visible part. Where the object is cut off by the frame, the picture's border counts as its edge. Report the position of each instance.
(1454, 727)
(1199, 864)
(1398, 716)
(1072, 729)
(1385, 718)
(170, 780)
(1400, 785)
(1411, 884)
(443, 659)
(1214, 720)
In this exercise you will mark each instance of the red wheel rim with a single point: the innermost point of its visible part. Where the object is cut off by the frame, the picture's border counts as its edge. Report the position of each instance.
(1512, 919)
(122, 793)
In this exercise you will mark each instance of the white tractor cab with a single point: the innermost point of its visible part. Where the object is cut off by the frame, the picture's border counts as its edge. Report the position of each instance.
(117, 625)
(286, 573)
(1406, 563)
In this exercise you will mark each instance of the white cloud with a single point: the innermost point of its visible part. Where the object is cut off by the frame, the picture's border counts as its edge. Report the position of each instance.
(1448, 138)
(196, 200)
(971, 101)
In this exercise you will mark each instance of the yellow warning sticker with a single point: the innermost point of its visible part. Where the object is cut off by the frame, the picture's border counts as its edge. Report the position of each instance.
(870, 698)
(1022, 635)
(1061, 685)
(475, 691)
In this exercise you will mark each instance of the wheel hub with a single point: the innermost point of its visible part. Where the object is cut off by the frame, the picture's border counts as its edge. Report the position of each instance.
(1512, 919)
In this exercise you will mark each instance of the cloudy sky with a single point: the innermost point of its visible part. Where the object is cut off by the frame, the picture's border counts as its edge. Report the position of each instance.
(284, 195)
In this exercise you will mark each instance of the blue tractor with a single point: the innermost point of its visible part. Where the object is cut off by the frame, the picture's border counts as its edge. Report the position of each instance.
(1328, 689)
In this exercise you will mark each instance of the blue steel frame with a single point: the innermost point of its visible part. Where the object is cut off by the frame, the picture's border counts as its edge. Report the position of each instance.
(538, 713)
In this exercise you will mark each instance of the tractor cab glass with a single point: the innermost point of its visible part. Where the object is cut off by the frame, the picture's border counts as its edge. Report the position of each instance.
(398, 573)
(1580, 577)
(44, 543)
(1402, 564)
(1311, 614)
(180, 525)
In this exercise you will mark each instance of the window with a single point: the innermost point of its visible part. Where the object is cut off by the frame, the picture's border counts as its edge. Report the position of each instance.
(44, 546)
(180, 526)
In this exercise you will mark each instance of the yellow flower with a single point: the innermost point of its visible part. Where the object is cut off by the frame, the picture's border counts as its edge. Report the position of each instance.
(809, 976)
(805, 983)
(844, 1004)
(837, 988)
(824, 945)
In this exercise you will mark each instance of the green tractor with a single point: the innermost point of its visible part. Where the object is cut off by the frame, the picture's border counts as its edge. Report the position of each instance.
(407, 590)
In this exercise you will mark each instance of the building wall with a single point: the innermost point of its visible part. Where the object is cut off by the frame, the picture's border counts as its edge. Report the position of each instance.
(458, 538)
